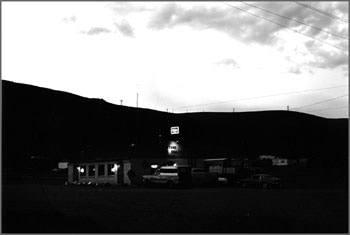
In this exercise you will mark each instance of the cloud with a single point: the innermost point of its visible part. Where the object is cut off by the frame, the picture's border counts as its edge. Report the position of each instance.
(96, 30)
(253, 30)
(342, 10)
(125, 8)
(326, 59)
(228, 62)
(125, 28)
(329, 60)
(224, 19)
(295, 69)
(246, 27)
(163, 18)
(71, 19)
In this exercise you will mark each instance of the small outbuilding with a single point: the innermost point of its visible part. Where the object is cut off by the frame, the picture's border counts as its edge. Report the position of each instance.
(114, 172)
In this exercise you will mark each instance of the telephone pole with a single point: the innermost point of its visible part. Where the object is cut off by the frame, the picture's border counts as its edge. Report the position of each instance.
(137, 100)
(137, 95)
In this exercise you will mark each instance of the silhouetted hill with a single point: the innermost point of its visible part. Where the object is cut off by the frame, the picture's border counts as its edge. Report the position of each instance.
(57, 125)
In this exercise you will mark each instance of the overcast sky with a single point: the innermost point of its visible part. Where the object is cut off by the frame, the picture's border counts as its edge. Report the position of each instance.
(184, 56)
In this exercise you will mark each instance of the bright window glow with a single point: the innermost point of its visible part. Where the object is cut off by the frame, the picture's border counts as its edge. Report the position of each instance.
(115, 168)
(80, 169)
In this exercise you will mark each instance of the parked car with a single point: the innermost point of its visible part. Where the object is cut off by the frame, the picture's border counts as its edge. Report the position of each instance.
(170, 176)
(261, 180)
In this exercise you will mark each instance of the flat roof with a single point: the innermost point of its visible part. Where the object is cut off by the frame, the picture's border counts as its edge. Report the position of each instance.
(173, 167)
(215, 159)
(99, 160)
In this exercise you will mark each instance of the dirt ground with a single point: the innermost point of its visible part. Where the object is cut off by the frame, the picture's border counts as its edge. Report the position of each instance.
(28, 207)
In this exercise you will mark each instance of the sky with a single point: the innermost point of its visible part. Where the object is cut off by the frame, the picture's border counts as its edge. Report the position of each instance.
(184, 56)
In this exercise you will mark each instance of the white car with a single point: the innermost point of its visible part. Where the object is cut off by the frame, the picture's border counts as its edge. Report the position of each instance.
(169, 176)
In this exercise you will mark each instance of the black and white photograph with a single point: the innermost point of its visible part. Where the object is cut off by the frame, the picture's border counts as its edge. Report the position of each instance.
(175, 117)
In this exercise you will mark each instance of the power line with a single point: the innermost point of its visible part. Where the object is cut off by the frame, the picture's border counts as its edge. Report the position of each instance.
(285, 27)
(324, 101)
(267, 108)
(295, 21)
(259, 97)
(341, 107)
(323, 12)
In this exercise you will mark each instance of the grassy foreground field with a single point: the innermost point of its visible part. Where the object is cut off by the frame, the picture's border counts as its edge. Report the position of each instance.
(25, 208)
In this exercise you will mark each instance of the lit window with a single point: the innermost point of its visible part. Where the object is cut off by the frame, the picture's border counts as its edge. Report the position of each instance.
(115, 168)
(82, 170)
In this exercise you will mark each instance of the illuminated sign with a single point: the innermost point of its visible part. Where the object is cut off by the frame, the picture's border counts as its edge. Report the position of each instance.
(174, 130)
(173, 148)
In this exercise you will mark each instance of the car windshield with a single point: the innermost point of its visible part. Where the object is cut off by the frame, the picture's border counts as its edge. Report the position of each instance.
(168, 171)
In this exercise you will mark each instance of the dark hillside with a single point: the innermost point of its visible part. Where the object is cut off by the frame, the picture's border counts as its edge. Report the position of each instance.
(57, 125)
(285, 133)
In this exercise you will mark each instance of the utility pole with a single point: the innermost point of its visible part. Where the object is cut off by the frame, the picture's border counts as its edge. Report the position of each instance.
(287, 107)
(137, 100)
(137, 96)
(121, 102)
(233, 110)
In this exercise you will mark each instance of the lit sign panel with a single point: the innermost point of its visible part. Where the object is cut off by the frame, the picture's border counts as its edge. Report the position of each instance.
(174, 130)
(174, 148)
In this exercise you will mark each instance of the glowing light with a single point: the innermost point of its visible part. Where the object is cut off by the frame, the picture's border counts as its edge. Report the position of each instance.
(173, 147)
(115, 168)
(80, 169)
(175, 164)
(154, 166)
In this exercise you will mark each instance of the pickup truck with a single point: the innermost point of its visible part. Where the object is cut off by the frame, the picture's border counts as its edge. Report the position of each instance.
(170, 176)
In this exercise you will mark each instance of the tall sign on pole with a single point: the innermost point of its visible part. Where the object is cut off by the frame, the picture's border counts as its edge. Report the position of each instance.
(174, 130)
